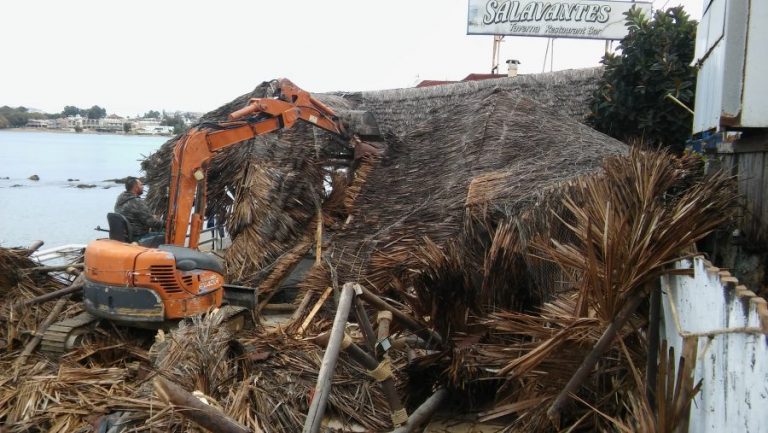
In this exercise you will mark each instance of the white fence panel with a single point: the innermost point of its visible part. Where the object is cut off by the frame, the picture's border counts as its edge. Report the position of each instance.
(730, 323)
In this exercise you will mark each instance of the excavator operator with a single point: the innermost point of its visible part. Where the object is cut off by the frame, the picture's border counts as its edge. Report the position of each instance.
(144, 225)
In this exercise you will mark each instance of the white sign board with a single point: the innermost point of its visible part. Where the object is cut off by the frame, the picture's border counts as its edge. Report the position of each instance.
(582, 19)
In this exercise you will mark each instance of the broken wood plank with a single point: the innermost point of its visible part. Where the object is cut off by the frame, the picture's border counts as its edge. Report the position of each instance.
(30, 347)
(314, 310)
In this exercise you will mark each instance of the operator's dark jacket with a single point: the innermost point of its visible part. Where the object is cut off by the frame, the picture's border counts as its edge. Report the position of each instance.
(137, 213)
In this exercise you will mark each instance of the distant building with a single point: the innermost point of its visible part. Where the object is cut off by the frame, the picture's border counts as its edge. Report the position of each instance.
(112, 123)
(150, 126)
(38, 123)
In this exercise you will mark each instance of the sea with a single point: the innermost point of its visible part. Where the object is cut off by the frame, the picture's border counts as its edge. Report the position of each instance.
(74, 192)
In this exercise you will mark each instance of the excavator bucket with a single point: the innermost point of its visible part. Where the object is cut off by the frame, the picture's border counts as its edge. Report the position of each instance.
(361, 123)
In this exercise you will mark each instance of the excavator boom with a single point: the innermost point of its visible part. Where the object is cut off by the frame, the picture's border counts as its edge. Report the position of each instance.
(195, 149)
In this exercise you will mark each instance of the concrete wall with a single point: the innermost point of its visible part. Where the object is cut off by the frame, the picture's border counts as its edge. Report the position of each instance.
(730, 324)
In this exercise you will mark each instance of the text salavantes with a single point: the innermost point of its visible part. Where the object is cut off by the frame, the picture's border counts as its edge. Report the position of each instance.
(510, 11)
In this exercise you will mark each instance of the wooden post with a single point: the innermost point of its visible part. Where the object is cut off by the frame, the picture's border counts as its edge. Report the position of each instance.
(383, 318)
(323, 386)
(195, 410)
(424, 412)
(431, 337)
(651, 364)
(589, 362)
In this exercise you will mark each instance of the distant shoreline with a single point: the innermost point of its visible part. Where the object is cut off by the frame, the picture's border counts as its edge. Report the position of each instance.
(84, 131)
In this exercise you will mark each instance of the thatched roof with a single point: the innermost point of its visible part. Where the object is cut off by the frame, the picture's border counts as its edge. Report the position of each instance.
(566, 93)
(278, 181)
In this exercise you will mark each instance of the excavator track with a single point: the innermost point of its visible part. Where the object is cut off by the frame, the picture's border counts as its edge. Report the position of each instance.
(62, 337)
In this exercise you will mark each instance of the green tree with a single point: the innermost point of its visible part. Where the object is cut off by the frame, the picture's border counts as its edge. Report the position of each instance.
(96, 112)
(152, 114)
(16, 117)
(4, 123)
(70, 110)
(176, 121)
(655, 61)
(127, 127)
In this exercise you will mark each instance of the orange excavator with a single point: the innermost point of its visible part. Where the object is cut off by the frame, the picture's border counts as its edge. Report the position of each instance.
(150, 287)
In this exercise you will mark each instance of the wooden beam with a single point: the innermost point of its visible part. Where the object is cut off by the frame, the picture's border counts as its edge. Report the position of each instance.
(195, 410)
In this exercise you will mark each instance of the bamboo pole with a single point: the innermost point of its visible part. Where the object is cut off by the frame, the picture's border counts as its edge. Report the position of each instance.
(426, 334)
(424, 412)
(380, 371)
(195, 410)
(323, 386)
(589, 362)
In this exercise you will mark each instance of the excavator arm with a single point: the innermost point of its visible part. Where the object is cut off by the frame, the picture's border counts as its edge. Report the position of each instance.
(194, 150)
(143, 286)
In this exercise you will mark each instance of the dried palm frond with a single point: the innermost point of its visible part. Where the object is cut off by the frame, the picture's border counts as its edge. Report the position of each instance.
(631, 222)
(673, 392)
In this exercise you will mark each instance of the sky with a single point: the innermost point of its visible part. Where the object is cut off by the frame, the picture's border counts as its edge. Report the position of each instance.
(134, 56)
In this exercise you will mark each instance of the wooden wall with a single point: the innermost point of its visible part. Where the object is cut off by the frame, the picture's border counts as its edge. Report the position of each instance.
(748, 160)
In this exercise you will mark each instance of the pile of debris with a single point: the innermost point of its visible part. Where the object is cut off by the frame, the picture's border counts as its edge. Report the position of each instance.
(503, 251)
